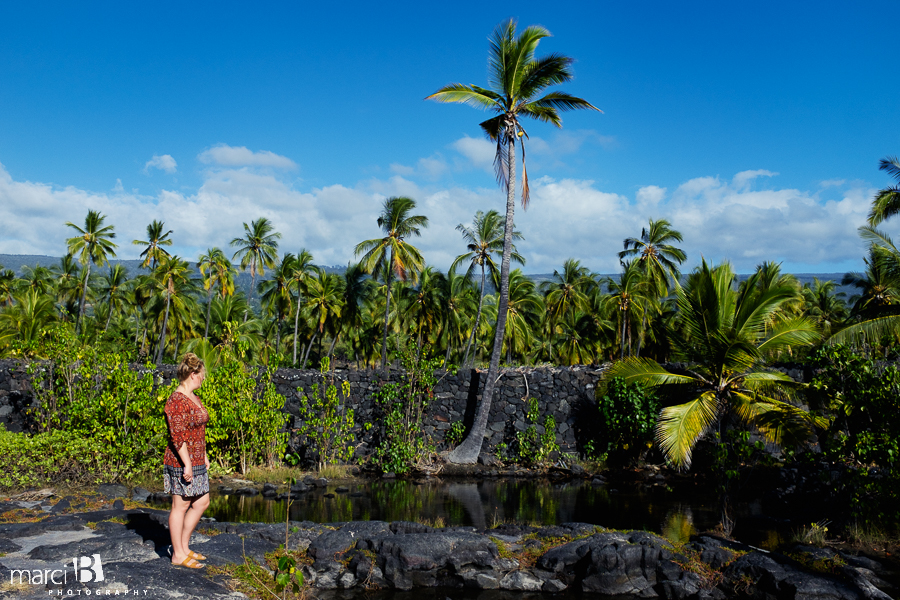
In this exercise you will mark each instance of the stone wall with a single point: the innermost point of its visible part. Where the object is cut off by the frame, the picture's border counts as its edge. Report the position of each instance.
(566, 393)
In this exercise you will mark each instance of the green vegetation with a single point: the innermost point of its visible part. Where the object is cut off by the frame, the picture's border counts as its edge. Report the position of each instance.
(628, 416)
(327, 422)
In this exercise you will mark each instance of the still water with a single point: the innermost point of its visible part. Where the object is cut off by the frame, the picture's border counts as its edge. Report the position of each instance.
(673, 513)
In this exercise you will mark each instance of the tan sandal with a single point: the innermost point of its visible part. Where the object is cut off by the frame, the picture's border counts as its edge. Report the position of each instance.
(196, 555)
(191, 563)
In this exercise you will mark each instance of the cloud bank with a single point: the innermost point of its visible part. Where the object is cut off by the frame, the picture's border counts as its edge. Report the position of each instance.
(745, 218)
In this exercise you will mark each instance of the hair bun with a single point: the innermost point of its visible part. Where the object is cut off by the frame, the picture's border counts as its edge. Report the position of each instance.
(190, 364)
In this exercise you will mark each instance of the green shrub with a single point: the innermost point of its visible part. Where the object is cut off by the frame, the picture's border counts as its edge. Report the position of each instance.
(53, 458)
(246, 424)
(531, 447)
(402, 442)
(628, 414)
(327, 422)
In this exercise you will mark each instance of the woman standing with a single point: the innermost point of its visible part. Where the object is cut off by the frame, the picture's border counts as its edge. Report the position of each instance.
(185, 463)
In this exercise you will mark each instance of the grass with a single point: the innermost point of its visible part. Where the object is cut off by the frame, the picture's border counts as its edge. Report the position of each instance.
(335, 472)
(272, 474)
(814, 535)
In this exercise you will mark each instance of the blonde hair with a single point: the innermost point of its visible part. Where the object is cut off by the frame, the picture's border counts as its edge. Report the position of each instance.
(190, 364)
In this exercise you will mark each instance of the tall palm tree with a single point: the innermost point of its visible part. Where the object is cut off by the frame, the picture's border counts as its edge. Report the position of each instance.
(92, 245)
(68, 285)
(301, 268)
(887, 201)
(422, 305)
(484, 240)
(358, 289)
(655, 254)
(324, 300)
(517, 78)
(258, 249)
(726, 343)
(459, 299)
(174, 282)
(275, 292)
(392, 254)
(156, 239)
(631, 295)
(113, 289)
(568, 290)
(217, 271)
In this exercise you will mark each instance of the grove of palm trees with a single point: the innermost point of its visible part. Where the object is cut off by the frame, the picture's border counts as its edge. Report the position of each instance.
(704, 344)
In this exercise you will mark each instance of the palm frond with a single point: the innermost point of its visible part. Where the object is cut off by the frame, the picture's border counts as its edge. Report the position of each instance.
(679, 427)
(466, 94)
(801, 331)
(644, 370)
(562, 101)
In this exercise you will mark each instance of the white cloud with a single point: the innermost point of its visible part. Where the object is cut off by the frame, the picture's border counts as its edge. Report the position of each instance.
(163, 162)
(224, 155)
(743, 179)
(720, 219)
(428, 168)
(479, 152)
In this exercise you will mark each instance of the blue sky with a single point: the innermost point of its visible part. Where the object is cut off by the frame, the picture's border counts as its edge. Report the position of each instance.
(755, 128)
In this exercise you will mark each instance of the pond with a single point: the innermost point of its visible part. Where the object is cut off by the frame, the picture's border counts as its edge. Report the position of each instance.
(674, 513)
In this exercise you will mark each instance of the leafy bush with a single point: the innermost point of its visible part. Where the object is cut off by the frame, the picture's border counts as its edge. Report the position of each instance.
(52, 458)
(861, 400)
(402, 444)
(327, 422)
(246, 423)
(628, 414)
(530, 446)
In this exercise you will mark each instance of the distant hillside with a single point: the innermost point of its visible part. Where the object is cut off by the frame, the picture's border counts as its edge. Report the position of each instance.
(17, 261)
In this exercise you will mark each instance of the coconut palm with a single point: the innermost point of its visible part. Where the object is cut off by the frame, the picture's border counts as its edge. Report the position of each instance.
(301, 267)
(422, 305)
(275, 293)
(258, 249)
(68, 285)
(7, 285)
(324, 301)
(93, 245)
(887, 201)
(823, 304)
(632, 294)
(156, 239)
(217, 272)
(459, 301)
(38, 278)
(113, 289)
(174, 284)
(655, 254)
(358, 288)
(484, 240)
(568, 290)
(726, 341)
(392, 254)
(30, 314)
(517, 78)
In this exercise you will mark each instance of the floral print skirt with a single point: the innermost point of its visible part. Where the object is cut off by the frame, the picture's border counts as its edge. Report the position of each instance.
(174, 483)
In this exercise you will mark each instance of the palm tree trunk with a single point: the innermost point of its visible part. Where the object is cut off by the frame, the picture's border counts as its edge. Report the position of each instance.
(296, 323)
(467, 452)
(333, 344)
(277, 333)
(208, 309)
(472, 338)
(108, 315)
(308, 348)
(387, 309)
(162, 335)
(87, 278)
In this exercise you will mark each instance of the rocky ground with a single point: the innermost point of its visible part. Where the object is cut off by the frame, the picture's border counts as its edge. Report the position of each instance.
(36, 558)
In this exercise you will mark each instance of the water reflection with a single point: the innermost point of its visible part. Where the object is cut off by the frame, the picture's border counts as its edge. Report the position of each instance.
(485, 504)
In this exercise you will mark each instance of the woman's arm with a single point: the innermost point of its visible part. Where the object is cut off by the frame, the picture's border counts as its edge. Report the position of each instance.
(185, 457)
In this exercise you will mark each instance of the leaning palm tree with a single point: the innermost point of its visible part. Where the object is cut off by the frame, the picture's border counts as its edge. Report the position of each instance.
(392, 254)
(517, 78)
(887, 201)
(484, 240)
(258, 249)
(92, 245)
(156, 239)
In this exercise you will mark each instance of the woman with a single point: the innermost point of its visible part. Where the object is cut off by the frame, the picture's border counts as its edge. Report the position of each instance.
(185, 462)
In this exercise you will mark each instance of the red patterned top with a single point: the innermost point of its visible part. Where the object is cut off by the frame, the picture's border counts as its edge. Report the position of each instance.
(187, 424)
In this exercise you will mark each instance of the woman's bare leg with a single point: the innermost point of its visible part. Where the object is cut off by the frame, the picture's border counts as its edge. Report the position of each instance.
(177, 519)
(192, 518)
